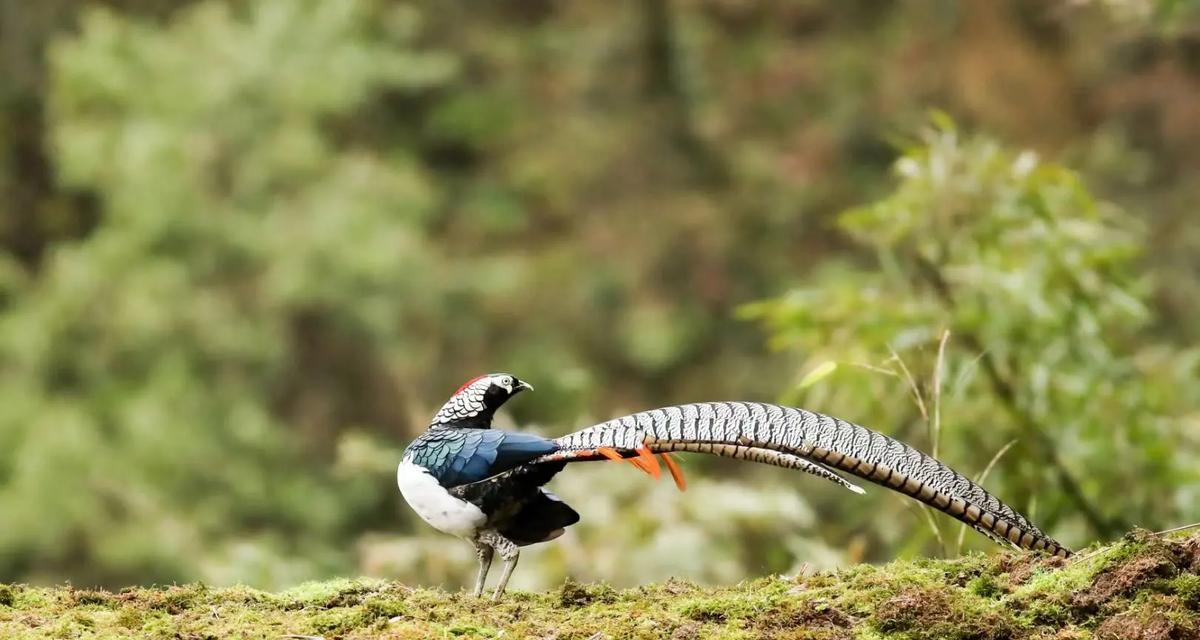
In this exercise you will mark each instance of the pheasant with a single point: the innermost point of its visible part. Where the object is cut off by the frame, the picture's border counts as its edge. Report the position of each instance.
(487, 486)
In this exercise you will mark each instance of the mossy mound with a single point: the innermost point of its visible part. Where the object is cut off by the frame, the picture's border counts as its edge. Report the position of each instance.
(1141, 587)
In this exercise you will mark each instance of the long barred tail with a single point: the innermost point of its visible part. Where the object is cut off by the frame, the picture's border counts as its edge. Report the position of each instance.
(809, 441)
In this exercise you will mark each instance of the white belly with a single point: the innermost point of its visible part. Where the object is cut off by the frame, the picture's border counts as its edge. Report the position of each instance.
(435, 505)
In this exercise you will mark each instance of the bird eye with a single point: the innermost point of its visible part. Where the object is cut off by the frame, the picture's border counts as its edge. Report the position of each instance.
(506, 381)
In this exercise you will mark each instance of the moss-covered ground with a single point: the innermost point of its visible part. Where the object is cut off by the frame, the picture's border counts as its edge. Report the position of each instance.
(1141, 587)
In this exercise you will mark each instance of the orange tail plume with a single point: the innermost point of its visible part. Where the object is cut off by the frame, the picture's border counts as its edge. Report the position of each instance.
(649, 461)
(611, 454)
(676, 472)
(645, 460)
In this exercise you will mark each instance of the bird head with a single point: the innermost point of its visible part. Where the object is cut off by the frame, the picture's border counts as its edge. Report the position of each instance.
(473, 405)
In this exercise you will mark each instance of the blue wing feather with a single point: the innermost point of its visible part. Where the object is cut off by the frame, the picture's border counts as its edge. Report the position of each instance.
(518, 448)
(459, 457)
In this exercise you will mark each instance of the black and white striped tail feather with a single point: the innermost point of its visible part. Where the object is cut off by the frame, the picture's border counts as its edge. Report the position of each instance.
(815, 443)
(755, 454)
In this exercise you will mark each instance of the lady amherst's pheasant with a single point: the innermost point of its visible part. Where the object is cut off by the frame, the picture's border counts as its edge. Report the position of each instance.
(486, 486)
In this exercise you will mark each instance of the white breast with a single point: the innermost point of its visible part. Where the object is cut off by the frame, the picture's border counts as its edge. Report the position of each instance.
(435, 505)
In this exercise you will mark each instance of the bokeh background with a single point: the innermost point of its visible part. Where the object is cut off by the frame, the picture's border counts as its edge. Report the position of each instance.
(247, 248)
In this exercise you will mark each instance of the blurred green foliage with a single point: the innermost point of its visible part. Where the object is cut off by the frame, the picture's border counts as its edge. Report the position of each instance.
(247, 248)
(153, 411)
(1047, 339)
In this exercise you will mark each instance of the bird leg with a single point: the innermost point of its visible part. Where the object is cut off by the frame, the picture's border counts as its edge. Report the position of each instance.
(509, 552)
(484, 552)
(510, 563)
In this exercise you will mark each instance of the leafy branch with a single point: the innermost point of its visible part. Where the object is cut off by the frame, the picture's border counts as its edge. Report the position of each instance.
(1004, 389)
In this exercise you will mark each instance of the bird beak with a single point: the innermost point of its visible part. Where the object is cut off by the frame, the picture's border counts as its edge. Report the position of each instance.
(522, 386)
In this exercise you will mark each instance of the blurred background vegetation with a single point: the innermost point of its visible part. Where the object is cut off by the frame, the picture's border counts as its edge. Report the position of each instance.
(247, 248)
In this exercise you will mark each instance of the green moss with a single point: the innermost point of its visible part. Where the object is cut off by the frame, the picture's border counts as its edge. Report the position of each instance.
(1186, 587)
(574, 594)
(100, 599)
(745, 602)
(1156, 616)
(33, 599)
(130, 618)
(72, 625)
(715, 609)
(386, 607)
(942, 612)
(178, 599)
(328, 593)
(158, 628)
(1137, 585)
(339, 621)
(985, 586)
(472, 631)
